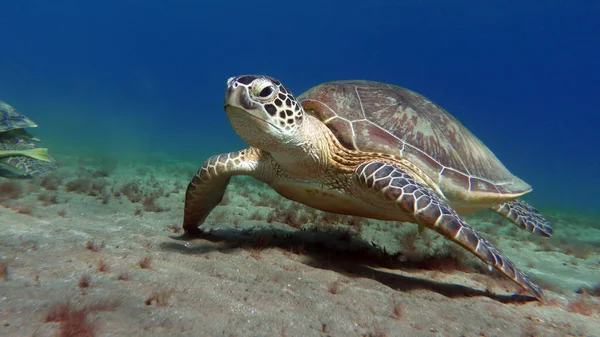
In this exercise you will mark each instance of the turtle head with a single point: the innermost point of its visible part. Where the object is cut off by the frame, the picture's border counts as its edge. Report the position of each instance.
(263, 112)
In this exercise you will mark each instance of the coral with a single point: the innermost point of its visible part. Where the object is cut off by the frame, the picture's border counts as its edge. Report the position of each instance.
(334, 288)
(146, 262)
(263, 240)
(220, 215)
(102, 266)
(84, 281)
(150, 205)
(50, 182)
(131, 191)
(48, 198)
(80, 185)
(142, 170)
(99, 188)
(446, 264)
(134, 193)
(580, 250)
(356, 222)
(106, 167)
(255, 216)
(123, 276)
(397, 310)
(264, 201)
(3, 270)
(73, 321)
(583, 305)
(174, 229)
(292, 219)
(408, 243)
(105, 197)
(23, 208)
(93, 247)
(255, 254)
(10, 189)
(595, 290)
(159, 297)
(294, 215)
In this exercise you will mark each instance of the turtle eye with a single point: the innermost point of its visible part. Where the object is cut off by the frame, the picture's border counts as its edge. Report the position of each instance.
(264, 90)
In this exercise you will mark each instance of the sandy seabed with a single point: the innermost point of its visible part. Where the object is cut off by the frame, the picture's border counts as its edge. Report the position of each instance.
(97, 250)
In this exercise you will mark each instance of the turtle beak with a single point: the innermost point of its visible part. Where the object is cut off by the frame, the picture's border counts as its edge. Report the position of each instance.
(237, 95)
(229, 92)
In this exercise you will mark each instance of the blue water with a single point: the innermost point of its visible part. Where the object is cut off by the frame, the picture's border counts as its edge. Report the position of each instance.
(135, 77)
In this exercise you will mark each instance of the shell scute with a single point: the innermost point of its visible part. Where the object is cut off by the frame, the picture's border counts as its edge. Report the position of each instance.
(378, 117)
(12, 119)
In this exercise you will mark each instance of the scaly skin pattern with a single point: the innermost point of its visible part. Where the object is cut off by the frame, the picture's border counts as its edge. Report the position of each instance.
(207, 188)
(301, 158)
(525, 216)
(394, 185)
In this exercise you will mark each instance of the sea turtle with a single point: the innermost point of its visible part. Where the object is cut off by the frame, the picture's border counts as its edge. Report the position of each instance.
(367, 149)
(20, 157)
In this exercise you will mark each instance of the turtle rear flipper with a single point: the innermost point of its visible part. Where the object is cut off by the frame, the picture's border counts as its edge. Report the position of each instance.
(525, 216)
(393, 185)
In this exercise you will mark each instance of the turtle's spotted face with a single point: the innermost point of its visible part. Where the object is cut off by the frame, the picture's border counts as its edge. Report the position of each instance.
(262, 111)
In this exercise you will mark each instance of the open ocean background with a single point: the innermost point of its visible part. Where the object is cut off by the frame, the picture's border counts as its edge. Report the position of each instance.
(131, 78)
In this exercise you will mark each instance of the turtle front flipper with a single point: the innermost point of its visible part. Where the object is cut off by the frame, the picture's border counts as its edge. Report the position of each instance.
(207, 188)
(525, 216)
(394, 185)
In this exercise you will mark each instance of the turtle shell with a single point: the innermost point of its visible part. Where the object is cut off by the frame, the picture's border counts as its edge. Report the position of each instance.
(11, 119)
(378, 117)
